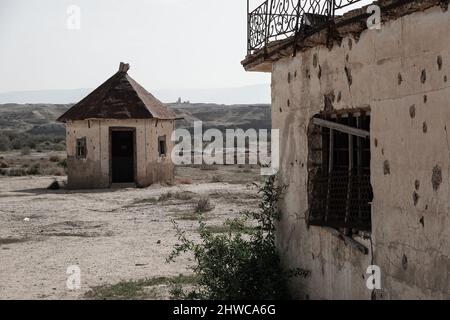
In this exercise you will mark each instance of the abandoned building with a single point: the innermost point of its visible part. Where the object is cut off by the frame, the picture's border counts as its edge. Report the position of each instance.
(363, 115)
(118, 134)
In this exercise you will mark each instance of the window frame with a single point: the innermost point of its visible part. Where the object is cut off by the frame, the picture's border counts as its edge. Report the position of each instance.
(162, 139)
(81, 148)
(342, 198)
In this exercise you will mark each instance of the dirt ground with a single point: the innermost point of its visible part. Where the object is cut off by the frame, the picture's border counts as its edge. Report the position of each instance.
(112, 235)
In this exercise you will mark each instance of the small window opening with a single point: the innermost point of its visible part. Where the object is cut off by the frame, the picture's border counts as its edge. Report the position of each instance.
(81, 148)
(340, 193)
(162, 146)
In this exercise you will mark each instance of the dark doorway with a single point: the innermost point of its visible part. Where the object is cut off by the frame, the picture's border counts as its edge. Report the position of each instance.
(122, 156)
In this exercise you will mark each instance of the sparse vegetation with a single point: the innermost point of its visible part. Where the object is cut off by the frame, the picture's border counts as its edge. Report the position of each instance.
(25, 151)
(180, 195)
(217, 178)
(203, 205)
(136, 289)
(15, 140)
(209, 167)
(54, 158)
(242, 264)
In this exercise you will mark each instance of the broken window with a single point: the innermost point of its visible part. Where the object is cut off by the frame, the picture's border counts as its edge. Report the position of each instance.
(340, 192)
(162, 146)
(81, 148)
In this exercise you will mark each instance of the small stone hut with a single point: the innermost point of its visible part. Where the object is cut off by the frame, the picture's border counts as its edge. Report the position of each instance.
(118, 134)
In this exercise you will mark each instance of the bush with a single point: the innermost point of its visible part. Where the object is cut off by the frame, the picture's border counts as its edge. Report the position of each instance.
(3, 165)
(25, 151)
(217, 178)
(239, 265)
(54, 158)
(5, 144)
(34, 170)
(16, 172)
(203, 205)
(63, 163)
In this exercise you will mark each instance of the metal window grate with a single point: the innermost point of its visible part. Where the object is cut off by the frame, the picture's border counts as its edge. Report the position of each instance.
(341, 199)
(81, 149)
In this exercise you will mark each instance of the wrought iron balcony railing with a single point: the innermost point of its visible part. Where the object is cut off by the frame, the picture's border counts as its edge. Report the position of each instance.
(281, 19)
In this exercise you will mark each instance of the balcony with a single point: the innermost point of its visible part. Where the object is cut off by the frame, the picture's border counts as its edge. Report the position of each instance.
(275, 20)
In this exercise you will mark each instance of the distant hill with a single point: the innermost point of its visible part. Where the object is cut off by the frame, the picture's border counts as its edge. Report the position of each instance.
(258, 94)
(40, 118)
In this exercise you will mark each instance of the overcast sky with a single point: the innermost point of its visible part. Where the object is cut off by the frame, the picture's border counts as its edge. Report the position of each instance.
(168, 43)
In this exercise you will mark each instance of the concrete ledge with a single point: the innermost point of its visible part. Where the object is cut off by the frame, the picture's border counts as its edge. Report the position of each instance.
(348, 240)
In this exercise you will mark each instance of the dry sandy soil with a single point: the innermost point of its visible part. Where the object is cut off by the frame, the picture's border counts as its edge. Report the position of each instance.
(113, 235)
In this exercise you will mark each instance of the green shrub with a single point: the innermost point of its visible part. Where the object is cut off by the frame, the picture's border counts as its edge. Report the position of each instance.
(243, 264)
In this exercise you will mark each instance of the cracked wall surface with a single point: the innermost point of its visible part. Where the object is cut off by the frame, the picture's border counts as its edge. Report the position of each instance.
(401, 72)
(94, 171)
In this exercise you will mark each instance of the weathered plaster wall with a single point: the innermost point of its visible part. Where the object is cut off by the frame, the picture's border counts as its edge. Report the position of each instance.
(401, 72)
(94, 171)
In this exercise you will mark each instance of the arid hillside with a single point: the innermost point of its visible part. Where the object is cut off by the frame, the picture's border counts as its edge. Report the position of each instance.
(40, 118)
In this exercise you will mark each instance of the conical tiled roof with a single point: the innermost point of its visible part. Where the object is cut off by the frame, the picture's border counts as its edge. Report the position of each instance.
(119, 97)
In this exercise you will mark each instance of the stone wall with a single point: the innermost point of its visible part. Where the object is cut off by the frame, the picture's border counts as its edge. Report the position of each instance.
(401, 71)
(94, 171)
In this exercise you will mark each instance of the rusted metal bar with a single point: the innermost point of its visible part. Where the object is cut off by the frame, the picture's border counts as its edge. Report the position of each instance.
(341, 127)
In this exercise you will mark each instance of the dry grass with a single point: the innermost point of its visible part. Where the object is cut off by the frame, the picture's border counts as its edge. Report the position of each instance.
(137, 289)
(180, 195)
(217, 178)
(203, 205)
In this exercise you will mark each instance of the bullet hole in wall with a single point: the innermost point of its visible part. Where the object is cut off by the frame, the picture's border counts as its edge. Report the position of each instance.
(405, 262)
(281, 110)
(288, 102)
(347, 57)
(308, 74)
(289, 77)
(417, 185)
(319, 73)
(424, 127)
(422, 221)
(386, 167)
(423, 76)
(375, 142)
(436, 177)
(439, 62)
(412, 111)
(400, 79)
(350, 44)
(295, 74)
(425, 99)
(339, 97)
(415, 198)
(445, 78)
